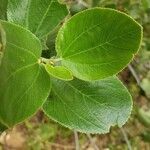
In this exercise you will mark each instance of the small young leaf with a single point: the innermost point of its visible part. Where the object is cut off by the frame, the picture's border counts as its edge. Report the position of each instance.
(98, 43)
(38, 16)
(24, 83)
(59, 72)
(89, 106)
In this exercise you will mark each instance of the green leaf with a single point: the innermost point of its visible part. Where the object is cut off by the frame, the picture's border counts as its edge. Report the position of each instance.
(89, 106)
(51, 41)
(24, 83)
(3, 9)
(98, 43)
(145, 83)
(59, 72)
(146, 136)
(2, 42)
(2, 127)
(146, 4)
(144, 116)
(95, 3)
(38, 16)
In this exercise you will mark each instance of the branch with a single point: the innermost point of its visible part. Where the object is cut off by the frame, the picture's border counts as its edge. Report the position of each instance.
(134, 74)
(83, 3)
(126, 138)
(77, 145)
(92, 142)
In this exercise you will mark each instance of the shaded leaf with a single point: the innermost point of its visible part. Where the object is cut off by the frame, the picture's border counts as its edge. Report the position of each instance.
(146, 135)
(146, 4)
(2, 127)
(3, 9)
(89, 106)
(51, 41)
(2, 42)
(39, 16)
(144, 116)
(145, 84)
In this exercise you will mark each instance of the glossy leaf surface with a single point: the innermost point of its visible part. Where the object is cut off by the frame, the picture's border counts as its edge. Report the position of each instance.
(98, 43)
(89, 106)
(24, 83)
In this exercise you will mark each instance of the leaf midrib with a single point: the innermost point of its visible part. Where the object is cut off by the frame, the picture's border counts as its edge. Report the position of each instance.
(44, 16)
(34, 80)
(26, 50)
(88, 121)
(80, 36)
(88, 96)
(100, 45)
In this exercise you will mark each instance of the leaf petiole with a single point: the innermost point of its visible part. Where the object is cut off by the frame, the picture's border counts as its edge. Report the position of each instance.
(51, 61)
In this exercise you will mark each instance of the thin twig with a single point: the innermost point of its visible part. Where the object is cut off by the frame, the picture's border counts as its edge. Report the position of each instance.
(83, 3)
(56, 145)
(126, 138)
(76, 140)
(134, 74)
(92, 142)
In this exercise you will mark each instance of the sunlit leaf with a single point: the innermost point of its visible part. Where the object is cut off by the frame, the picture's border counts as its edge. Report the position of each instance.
(98, 43)
(89, 106)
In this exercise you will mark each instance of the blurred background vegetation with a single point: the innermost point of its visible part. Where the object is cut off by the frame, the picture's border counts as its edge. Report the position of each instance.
(39, 133)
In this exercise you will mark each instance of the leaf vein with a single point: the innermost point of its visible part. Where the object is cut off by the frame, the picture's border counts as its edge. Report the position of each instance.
(82, 118)
(21, 48)
(44, 16)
